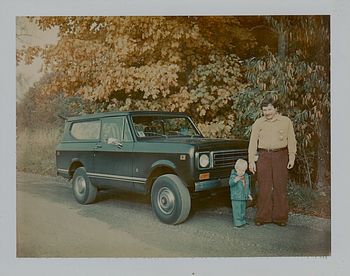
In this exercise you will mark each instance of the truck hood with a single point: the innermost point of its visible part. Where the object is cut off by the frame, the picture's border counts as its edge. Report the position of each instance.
(204, 143)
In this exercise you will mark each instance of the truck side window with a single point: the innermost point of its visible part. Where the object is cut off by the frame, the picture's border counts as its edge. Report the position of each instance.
(115, 127)
(86, 130)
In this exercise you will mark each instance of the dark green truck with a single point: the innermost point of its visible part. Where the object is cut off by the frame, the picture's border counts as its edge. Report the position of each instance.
(158, 153)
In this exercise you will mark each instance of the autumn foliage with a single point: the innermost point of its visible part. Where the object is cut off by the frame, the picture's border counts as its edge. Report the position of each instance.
(216, 69)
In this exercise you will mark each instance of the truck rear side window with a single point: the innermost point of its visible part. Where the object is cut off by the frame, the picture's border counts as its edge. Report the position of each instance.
(86, 130)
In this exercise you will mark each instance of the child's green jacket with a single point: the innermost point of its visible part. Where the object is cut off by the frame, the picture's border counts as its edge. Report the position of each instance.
(238, 190)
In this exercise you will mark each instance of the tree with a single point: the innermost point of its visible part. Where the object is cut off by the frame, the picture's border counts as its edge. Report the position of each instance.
(145, 62)
(35, 110)
(310, 37)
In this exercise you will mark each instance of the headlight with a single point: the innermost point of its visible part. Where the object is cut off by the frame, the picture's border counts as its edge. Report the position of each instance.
(204, 160)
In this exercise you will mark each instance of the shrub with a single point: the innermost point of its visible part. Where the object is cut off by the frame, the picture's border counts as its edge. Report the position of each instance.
(36, 150)
(301, 197)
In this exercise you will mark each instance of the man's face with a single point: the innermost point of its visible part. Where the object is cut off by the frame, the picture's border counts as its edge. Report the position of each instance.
(269, 112)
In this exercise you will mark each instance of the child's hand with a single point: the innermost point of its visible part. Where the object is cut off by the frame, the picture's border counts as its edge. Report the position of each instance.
(250, 197)
(237, 178)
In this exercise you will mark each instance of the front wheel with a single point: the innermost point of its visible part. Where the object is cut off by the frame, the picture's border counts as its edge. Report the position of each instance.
(171, 201)
(83, 191)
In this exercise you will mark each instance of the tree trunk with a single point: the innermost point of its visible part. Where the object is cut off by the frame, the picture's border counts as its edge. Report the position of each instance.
(323, 155)
(282, 44)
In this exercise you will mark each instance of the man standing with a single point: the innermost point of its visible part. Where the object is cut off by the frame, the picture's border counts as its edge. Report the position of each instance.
(272, 143)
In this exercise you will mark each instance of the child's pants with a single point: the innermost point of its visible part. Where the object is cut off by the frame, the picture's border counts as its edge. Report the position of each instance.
(238, 212)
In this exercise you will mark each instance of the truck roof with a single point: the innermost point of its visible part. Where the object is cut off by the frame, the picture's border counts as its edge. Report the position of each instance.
(121, 113)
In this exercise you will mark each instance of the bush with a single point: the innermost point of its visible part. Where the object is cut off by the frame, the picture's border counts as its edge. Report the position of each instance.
(36, 150)
(300, 197)
(305, 200)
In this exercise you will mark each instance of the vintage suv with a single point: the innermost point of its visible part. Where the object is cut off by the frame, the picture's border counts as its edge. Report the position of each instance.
(158, 153)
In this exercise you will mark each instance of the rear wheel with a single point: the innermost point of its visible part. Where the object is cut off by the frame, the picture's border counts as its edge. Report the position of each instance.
(171, 201)
(83, 191)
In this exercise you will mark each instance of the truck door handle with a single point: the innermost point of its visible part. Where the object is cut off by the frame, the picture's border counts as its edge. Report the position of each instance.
(119, 145)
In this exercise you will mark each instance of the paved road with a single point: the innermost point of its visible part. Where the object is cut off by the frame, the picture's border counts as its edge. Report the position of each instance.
(50, 223)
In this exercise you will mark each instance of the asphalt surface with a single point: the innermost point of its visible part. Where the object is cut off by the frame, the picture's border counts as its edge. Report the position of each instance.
(50, 223)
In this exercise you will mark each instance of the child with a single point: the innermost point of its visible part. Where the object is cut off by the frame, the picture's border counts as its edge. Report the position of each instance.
(240, 192)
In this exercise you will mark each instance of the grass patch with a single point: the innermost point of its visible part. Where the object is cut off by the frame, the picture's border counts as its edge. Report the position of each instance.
(305, 200)
(36, 150)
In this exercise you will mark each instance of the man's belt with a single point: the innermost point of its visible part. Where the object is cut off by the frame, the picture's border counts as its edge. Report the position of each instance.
(271, 150)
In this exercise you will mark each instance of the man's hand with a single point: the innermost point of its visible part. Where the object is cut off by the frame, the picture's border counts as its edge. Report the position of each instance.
(250, 197)
(290, 165)
(252, 167)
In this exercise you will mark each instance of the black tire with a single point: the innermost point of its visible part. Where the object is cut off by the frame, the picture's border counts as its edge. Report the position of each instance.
(171, 201)
(83, 191)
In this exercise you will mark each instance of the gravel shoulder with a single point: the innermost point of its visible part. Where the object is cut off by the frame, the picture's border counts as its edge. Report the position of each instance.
(50, 223)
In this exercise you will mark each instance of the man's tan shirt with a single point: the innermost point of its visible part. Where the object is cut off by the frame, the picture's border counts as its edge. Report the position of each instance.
(274, 134)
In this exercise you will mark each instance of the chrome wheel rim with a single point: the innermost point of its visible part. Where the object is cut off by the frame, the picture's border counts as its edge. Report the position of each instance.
(80, 185)
(166, 200)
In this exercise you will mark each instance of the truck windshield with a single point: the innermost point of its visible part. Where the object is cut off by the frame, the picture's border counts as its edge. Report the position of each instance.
(164, 126)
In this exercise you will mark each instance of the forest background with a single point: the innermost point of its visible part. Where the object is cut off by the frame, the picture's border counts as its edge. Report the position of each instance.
(215, 68)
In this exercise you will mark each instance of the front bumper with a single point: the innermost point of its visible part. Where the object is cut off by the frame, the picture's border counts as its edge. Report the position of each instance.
(211, 184)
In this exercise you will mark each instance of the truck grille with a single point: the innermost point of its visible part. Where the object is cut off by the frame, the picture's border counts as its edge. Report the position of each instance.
(227, 158)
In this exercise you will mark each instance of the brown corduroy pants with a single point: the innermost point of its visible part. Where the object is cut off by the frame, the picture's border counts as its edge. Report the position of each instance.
(272, 177)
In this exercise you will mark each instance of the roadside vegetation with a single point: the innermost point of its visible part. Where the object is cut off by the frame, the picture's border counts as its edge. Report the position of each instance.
(36, 150)
(305, 200)
(36, 154)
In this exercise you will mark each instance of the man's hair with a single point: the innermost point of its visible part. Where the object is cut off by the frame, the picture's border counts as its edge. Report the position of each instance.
(268, 100)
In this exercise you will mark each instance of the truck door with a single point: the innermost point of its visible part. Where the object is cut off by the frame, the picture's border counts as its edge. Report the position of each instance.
(113, 156)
